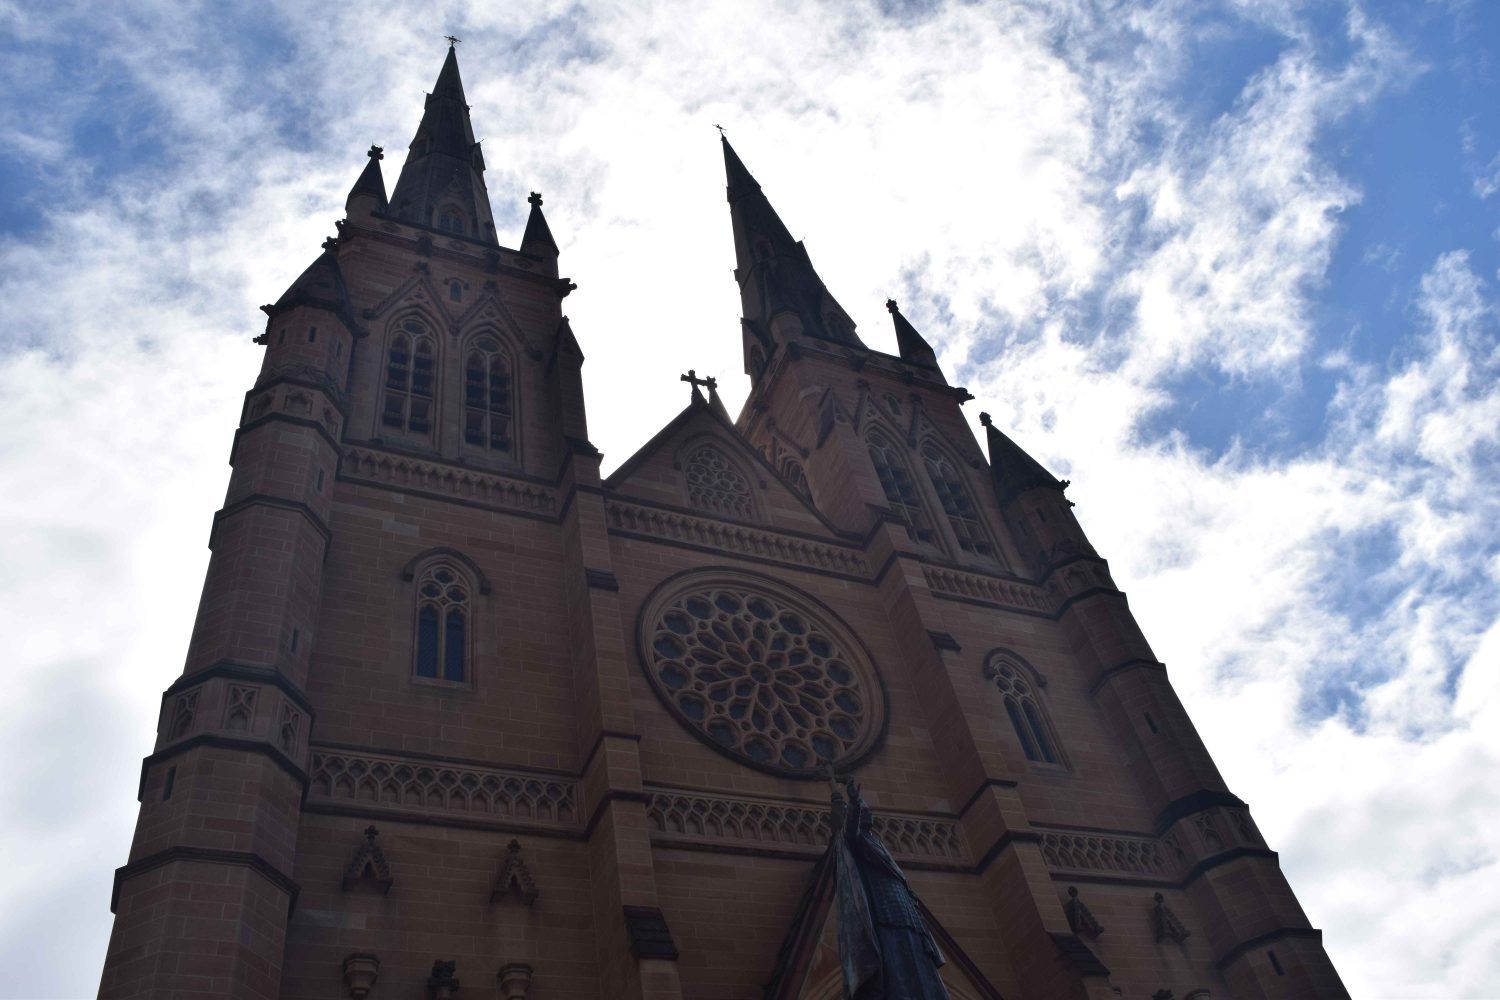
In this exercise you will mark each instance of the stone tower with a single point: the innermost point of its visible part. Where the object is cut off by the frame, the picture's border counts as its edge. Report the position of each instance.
(459, 712)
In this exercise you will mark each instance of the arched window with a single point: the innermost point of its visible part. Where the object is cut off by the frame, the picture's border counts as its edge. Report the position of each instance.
(442, 647)
(792, 470)
(488, 407)
(451, 220)
(900, 489)
(1017, 685)
(409, 379)
(715, 484)
(957, 504)
(456, 290)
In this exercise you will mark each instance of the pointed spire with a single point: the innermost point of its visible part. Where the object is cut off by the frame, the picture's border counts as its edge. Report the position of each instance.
(538, 240)
(775, 274)
(1014, 471)
(913, 347)
(442, 182)
(371, 184)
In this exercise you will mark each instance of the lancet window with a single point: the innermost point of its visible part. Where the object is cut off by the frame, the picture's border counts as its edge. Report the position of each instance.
(956, 501)
(1018, 690)
(489, 408)
(715, 484)
(443, 625)
(410, 369)
(900, 489)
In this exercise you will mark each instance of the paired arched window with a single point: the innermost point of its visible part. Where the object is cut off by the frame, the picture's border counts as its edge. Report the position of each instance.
(489, 410)
(443, 626)
(451, 220)
(715, 484)
(1018, 685)
(410, 370)
(958, 505)
(900, 489)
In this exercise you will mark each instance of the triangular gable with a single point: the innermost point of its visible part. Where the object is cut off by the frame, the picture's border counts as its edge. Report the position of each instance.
(807, 965)
(491, 308)
(652, 474)
(418, 291)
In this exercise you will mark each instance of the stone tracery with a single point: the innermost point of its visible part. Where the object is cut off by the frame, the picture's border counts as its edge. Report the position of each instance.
(760, 676)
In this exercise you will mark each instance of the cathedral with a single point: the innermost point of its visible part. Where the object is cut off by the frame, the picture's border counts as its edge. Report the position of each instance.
(461, 716)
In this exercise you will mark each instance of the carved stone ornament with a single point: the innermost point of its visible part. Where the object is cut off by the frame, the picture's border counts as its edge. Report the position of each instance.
(442, 984)
(360, 973)
(1080, 919)
(1164, 923)
(514, 877)
(515, 981)
(760, 673)
(368, 866)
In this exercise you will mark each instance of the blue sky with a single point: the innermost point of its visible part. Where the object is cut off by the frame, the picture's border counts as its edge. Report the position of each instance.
(1229, 265)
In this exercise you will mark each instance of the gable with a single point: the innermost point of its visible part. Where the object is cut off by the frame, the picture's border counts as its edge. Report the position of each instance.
(700, 464)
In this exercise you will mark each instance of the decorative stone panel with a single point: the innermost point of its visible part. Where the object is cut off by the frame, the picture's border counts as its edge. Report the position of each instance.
(391, 782)
(954, 584)
(691, 818)
(760, 673)
(1116, 854)
(485, 489)
(711, 534)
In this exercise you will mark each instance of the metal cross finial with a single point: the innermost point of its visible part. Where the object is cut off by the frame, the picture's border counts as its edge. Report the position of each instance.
(535, 199)
(710, 383)
(721, 130)
(452, 41)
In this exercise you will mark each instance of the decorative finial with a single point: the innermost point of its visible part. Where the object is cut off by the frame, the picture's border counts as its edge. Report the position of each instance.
(710, 383)
(721, 130)
(376, 153)
(371, 833)
(984, 418)
(535, 200)
(890, 304)
(452, 41)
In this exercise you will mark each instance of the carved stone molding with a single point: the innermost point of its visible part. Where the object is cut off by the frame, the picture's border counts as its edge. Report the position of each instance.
(469, 485)
(368, 867)
(690, 818)
(727, 537)
(956, 584)
(360, 973)
(392, 783)
(1116, 854)
(245, 708)
(514, 877)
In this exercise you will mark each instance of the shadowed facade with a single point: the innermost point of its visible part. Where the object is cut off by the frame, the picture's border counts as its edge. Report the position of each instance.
(459, 713)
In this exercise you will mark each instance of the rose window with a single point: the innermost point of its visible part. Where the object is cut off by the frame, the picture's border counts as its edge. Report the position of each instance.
(761, 677)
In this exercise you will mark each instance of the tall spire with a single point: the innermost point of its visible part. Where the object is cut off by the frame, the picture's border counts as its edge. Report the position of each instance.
(775, 274)
(442, 182)
(912, 345)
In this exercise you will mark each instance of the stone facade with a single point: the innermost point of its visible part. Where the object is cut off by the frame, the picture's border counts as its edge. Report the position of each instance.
(453, 696)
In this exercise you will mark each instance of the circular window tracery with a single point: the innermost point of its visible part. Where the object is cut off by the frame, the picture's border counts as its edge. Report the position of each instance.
(761, 676)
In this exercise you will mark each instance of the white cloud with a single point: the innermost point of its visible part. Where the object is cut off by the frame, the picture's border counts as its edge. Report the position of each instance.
(1026, 170)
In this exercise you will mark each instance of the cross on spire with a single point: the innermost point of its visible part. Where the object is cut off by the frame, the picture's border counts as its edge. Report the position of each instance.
(710, 383)
(721, 130)
(452, 41)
